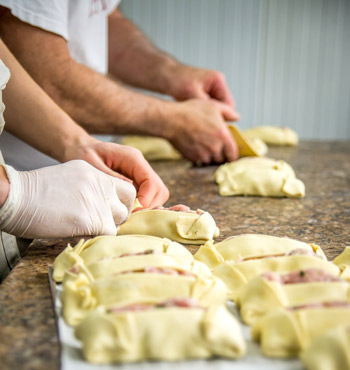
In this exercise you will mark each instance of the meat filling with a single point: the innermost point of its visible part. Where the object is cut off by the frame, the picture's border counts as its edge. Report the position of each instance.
(302, 276)
(294, 252)
(175, 302)
(162, 270)
(176, 208)
(334, 304)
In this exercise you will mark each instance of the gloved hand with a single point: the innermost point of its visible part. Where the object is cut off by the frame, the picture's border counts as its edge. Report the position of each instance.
(66, 200)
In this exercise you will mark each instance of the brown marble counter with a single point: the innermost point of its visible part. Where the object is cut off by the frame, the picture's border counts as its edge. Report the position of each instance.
(28, 338)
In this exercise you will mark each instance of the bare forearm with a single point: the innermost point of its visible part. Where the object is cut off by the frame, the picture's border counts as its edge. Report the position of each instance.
(134, 59)
(97, 103)
(33, 117)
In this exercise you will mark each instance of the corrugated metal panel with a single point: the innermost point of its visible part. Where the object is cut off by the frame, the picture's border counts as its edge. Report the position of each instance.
(286, 61)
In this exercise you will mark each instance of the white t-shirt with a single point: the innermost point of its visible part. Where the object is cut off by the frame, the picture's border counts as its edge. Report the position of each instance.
(84, 24)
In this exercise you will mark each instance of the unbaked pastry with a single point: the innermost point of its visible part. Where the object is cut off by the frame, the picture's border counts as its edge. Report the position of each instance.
(80, 295)
(153, 148)
(92, 250)
(237, 274)
(262, 294)
(168, 333)
(273, 135)
(184, 227)
(343, 262)
(258, 176)
(109, 266)
(329, 351)
(239, 247)
(284, 333)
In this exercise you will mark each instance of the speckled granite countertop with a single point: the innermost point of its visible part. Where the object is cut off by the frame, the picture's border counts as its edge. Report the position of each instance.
(28, 338)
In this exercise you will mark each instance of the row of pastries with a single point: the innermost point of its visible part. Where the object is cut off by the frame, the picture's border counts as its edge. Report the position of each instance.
(144, 297)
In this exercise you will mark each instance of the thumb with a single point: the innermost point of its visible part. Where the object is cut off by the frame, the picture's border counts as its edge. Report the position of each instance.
(102, 167)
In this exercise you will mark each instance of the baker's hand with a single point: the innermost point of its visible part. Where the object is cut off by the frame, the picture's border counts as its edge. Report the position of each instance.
(116, 160)
(66, 200)
(189, 82)
(198, 130)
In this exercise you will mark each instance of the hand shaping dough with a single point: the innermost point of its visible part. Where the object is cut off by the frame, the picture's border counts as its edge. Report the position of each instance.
(330, 351)
(273, 135)
(92, 250)
(153, 148)
(237, 275)
(262, 295)
(246, 246)
(168, 334)
(183, 227)
(258, 176)
(80, 295)
(284, 333)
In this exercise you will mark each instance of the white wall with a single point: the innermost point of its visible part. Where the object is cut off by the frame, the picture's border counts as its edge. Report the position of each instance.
(287, 62)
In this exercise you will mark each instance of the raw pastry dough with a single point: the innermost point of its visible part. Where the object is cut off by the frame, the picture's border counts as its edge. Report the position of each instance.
(237, 275)
(343, 262)
(111, 266)
(245, 246)
(284, 333)
(330, 351)
(160, 334)
(261, 295)
(183, 227)
(258, 176)
(95, 249)
(273, 135)
(153, 148)
(80, 295)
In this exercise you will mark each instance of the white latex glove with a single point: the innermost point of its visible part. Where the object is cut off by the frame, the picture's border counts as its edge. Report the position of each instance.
(66, 200)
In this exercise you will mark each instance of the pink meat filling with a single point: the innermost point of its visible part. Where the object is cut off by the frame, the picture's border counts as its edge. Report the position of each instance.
(148, 251)
(75, 269)
(302, 276)
(175, 302)
(176, 208)
(294, 252)
(162, 270)
(335, 304)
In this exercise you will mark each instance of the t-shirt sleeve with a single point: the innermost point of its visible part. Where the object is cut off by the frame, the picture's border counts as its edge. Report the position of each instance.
(49, 15)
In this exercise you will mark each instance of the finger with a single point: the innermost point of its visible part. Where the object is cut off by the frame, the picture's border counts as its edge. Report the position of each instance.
(218, 155)
(230, 150)
(151, 194)
(126, 193)
(102, 167)
(220, 91)
(228, 113)
(120, 212)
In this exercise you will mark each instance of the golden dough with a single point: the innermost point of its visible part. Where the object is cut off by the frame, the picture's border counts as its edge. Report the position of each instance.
(80, 295)
(153, 148)
(93, 250)
(261, 295)
(273, 135)
(258, 176)
(237, 275)
(284, 333)
(245, 246)
(168, 334)
(329, 351)
(183, 227)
